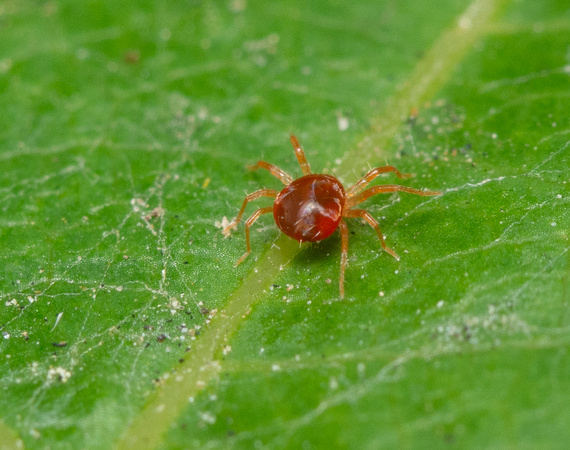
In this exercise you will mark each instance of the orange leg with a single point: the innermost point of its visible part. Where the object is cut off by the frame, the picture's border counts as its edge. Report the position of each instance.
(343, 255)
(275, 171)
(363, 182)
(261, 193)
(355, 200)
(248, 223)
(363, 214)
(300, 154)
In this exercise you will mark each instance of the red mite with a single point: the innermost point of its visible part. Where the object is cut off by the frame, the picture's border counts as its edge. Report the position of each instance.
(311, 208)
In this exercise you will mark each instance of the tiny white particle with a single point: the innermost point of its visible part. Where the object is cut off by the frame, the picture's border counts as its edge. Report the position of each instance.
(207, 417)
(275, 368)
(59, 374)
(333, 383)
(342, 123)
(558, 196)
(440, 303)
(381, 293)
(553, 224)
(58, 317)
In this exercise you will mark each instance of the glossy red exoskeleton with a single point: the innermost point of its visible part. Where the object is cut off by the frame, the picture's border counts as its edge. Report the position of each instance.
(312, 207)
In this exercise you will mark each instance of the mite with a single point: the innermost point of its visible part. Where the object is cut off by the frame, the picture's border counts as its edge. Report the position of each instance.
(312, 207)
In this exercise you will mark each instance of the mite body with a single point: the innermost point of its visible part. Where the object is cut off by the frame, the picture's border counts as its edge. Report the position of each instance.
(312, 207)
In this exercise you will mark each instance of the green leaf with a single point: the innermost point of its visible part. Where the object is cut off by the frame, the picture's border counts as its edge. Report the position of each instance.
(125, 135)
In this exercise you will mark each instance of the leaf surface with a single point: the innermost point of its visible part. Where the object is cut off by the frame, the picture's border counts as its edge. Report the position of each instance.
(124, 139)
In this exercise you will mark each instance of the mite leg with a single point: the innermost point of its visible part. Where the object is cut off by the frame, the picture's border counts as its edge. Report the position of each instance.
(285, 178)
(355, 200)
(363, 182)
(343, 255)
(363, 214)
(248, 223)
(261, 193)
(300, 154)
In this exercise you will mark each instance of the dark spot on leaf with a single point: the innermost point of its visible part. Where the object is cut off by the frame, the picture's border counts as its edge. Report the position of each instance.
(132, 57)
